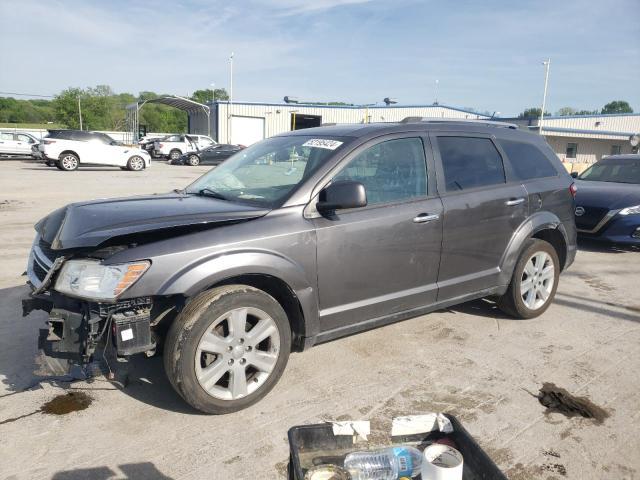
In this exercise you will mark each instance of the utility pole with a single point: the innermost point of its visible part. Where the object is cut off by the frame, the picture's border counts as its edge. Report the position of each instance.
(230, 98)
(80, 112)
(436, 99)
(546, 64)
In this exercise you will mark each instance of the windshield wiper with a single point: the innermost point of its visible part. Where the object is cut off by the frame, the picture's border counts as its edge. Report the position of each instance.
(207, 192)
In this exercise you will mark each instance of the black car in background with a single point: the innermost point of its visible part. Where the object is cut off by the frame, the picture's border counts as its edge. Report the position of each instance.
(213, 155)
(608, 200)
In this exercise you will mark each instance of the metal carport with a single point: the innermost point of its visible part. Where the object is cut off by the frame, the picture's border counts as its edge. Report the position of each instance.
(199, 115)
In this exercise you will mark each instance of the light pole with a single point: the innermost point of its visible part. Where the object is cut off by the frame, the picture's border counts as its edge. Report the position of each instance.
(230, 98)
(80, 112)
(436, 92)
(546, 64)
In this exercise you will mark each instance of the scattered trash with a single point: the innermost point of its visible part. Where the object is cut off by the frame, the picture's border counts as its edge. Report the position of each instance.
(439, 439)
(441, 462)
(387, 464)
(327, 472)
(67, 403)
(559, 400)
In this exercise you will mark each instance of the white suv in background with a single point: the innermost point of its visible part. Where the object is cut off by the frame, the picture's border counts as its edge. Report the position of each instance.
(16, 144)
(174, 146)
(68, 149)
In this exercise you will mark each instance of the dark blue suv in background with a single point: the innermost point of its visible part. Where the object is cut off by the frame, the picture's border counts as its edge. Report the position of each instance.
(608, 200)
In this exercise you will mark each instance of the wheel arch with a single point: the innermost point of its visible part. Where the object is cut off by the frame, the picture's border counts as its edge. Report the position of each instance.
(273, 274)
(543, 225)
(69, 151)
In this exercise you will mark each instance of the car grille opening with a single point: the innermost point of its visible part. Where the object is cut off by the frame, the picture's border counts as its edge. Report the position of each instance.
(40, 272)
(591, 217)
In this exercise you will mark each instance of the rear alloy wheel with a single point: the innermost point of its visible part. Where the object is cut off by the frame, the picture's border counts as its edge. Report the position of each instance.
(534, 281)
(194, 160)
(174, 154)
(228, 348)
(135, 163)
(68, 162)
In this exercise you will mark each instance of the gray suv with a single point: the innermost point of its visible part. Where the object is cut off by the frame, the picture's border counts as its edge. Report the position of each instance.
(301, 239)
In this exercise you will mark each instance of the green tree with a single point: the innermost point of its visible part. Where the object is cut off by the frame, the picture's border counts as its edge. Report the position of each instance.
(65, 105)
(205, 96)
(617, 106)
(532, 112)
(564, 111)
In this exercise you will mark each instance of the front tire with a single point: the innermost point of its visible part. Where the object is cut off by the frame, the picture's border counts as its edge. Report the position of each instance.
(69, 162)
(194, 160)
(174, 154)
(227, 349)
(534, 282)
(135, 163)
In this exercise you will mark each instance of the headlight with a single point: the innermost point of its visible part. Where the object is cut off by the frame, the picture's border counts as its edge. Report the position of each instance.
(630, 210)
(92, 280)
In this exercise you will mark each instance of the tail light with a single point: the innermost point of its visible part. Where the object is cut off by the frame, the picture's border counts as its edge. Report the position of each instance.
(48, 142)
(573, 189)
(160, 145)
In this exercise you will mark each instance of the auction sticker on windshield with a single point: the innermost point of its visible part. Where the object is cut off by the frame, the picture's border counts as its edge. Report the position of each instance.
(322, 143)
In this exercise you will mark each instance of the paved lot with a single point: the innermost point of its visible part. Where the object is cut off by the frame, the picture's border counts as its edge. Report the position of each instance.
(469, 360)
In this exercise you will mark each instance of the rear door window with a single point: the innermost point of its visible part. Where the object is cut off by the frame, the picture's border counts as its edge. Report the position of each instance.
(470, 162)
(527, 160)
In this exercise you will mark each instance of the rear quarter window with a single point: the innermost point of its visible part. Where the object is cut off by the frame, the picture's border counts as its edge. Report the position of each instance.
(470, 162)
(527, 160)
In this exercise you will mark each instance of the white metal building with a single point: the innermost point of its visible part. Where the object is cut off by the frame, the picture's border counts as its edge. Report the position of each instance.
(588, 138)
(246, 123)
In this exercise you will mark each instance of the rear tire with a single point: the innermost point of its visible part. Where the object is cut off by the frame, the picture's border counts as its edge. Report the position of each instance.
(194, 160)
(534, 281)
(175, 154)
(227, 349)
(68, 162)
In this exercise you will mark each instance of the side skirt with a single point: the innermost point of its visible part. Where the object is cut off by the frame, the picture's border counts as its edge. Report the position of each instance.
(370, 324)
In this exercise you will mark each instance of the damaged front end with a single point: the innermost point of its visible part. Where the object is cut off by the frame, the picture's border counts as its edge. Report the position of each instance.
(77, 326)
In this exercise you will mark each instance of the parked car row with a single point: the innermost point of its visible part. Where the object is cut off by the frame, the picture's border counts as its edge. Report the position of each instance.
(173, 147)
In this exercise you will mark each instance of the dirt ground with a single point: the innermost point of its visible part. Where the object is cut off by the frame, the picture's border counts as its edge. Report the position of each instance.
(470, 361)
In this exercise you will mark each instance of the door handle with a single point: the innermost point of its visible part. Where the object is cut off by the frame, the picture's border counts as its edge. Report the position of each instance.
(514, 201)
(425, 217)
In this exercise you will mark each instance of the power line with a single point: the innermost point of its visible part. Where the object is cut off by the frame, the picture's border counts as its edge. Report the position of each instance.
(26, 94)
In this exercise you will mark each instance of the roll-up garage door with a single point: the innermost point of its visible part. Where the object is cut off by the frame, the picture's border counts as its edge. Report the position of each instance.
(246, 130)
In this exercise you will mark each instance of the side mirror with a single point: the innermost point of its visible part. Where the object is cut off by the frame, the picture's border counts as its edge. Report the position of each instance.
(342, 195)
(574, 174)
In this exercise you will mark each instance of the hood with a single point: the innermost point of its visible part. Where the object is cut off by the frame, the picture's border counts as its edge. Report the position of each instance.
(612, 196)
(89, 224)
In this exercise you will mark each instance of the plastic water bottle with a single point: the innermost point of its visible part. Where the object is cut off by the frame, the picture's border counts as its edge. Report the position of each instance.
(387, 464)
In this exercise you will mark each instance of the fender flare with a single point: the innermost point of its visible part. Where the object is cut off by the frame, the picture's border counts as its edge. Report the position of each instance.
(194, 278)
(535, 223)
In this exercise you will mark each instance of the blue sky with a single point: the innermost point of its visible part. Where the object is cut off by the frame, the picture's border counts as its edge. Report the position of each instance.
(485, 54)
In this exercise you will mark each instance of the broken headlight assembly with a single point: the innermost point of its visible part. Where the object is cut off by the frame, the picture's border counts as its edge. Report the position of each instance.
(89, 279)
(630, 210)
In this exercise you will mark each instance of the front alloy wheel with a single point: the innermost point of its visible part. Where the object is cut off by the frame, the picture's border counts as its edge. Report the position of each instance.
(227, 348)
(194, 160)
(135, 163)
(236, 355)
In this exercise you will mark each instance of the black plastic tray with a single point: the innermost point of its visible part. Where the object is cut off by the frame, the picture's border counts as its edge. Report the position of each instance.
(307, 440)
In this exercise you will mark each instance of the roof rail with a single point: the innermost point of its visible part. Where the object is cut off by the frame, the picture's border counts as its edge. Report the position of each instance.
(488, 123)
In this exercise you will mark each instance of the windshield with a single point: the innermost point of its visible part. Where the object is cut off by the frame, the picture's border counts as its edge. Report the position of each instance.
(266, 173)
(617, 171)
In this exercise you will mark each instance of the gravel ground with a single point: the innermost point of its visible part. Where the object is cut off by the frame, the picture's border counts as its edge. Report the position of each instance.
(470, 361)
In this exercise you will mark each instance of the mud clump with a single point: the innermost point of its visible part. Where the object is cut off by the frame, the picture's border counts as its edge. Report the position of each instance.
(67, 403)
(558, 400)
